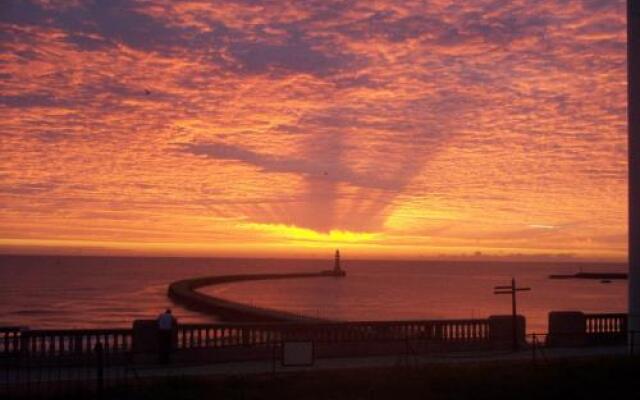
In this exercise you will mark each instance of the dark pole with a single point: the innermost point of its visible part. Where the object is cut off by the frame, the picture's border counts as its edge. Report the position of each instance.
(633, 113)
(514, 315)
(512, 289)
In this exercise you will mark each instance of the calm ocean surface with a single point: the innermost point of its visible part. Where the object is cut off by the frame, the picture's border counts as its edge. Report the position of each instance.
(94, 292)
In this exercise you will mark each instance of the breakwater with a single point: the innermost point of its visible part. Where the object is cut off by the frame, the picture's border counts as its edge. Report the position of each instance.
(591, 275)
(185, 293)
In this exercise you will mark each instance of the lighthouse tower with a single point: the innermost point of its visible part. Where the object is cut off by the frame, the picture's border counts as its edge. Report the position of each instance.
(336, 266)
(337, 269)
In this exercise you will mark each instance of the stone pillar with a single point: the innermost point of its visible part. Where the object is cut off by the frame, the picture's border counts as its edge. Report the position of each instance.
(567, 328)
(501, 330)
(145, 336)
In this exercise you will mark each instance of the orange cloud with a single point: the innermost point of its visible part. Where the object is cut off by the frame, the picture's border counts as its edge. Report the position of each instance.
(436, 128)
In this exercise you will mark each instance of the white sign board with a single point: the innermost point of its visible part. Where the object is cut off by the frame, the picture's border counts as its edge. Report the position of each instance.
(297, 354)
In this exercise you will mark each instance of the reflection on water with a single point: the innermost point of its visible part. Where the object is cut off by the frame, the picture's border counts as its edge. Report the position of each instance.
(66, 292)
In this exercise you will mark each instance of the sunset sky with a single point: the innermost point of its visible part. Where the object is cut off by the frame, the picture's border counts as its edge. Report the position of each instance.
(279, 128)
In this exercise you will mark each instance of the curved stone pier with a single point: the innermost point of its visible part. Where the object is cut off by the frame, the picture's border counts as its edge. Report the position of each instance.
(185, 293)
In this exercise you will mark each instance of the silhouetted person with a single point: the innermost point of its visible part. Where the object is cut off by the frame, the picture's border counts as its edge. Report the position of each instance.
(166, 325)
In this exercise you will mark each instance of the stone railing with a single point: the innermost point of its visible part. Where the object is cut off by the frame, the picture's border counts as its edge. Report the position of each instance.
(10, 339)
(574, 328)
(57, 342)
(223, 335)
(143, 337)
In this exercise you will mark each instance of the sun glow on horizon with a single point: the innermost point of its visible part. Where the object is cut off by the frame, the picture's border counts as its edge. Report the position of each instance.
(310, 237)
(392, 128)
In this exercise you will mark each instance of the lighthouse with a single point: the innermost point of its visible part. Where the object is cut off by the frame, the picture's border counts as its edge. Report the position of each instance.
(337, 269)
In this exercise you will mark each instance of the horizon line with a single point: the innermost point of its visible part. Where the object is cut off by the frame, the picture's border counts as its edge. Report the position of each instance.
(451, 258)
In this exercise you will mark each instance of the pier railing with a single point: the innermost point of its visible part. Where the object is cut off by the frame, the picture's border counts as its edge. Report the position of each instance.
(38, 361)
(192, 336)
(606, 328)
(10, 339)
(598, 329)
(59, 342)
(63, 342)
(222, 335)
(575, 328)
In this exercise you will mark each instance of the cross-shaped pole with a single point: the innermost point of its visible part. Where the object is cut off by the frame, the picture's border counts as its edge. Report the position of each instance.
(512, 290)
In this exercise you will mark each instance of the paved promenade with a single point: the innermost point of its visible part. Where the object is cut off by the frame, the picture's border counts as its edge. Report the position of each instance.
(271, 366)
(261, 367)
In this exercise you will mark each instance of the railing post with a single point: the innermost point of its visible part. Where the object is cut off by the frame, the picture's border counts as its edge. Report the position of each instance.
(245, 331)
(25, 342)
(99, 350)
(15, 341)
(533, 348)
(77, 344)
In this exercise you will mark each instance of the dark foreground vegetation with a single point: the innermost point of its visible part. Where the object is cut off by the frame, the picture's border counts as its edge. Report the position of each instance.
(584, 379)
